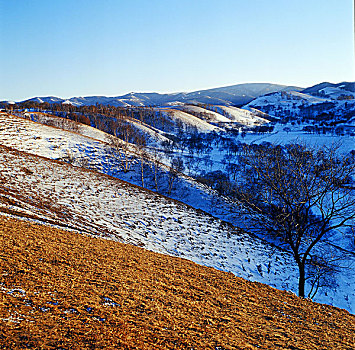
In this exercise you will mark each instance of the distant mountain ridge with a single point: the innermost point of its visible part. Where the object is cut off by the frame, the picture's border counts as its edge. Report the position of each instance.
(233, 95)
(236, 95)
(318, 88)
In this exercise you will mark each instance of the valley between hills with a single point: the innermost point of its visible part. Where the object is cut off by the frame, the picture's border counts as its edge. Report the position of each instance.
(120, 226)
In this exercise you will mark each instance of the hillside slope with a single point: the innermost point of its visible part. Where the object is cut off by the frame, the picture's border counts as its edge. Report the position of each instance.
(89, 202)
(290, 101)
(321, 89)
(86, 148)
(61, 290)
(324, 102)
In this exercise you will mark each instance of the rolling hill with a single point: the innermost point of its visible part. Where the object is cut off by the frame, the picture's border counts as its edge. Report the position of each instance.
(89, 201)
(324, 103)
(320, 89)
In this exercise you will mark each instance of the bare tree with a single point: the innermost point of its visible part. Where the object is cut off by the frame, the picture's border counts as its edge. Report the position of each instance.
(299, 196)
(123, 135)
(62, 123)
(177, 166)
(141, 148)
(155, 164)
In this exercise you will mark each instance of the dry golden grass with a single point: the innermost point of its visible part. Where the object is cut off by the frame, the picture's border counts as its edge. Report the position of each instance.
(54, 284)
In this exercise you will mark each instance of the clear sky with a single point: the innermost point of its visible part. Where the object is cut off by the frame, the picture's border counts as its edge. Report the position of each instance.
(71, 48)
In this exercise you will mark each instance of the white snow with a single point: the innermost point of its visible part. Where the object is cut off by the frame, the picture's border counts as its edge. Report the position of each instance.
(190, 119)
(288, 100)
(335, 92)
(213, 116)
(243, 116)
(67, 102)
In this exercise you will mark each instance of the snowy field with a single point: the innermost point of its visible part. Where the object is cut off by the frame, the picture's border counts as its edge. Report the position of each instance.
(295, 134)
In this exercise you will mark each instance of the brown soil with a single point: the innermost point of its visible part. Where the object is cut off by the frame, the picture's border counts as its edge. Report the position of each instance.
(62, 290)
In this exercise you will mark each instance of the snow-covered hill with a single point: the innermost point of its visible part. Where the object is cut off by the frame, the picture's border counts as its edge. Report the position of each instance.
(209, 115)
(227, 114)
(328, 89)
(88, 147)
(243, 116)
(189, 119)
(321, 102)
(287, 101)
(90, 202)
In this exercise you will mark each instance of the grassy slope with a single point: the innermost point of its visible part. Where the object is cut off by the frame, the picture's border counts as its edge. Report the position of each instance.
(62, 280)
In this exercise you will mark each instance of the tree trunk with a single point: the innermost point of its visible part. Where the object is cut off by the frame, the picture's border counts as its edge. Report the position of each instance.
(301, 280)
(142, 171)
(156, 177)
(170, 183)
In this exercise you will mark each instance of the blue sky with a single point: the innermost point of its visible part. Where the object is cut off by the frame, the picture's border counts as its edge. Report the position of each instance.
(110, 47)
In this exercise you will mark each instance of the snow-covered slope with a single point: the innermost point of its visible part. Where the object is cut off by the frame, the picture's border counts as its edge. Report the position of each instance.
(82, 148)
(91, 202)
(153, 136)
(324, 101)
(211, 116)
(336, 93)
(293, 104)
(326, 89)
(49, 141)
(227, 114)
(191, 120)
(66, 124)
(48, 99)
(243, 116)
(290, 100)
